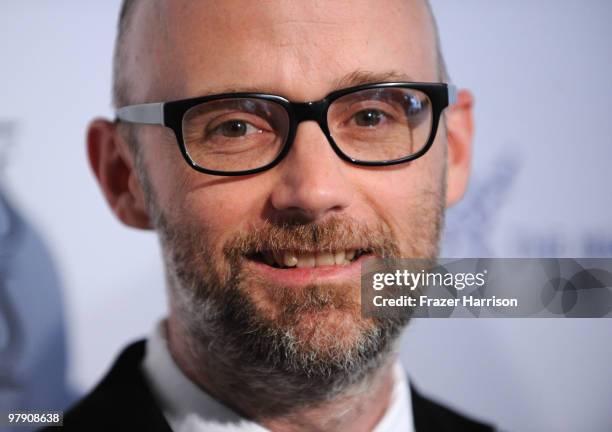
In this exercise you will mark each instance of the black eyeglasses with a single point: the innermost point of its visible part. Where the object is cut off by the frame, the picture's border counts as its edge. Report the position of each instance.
(236, 134)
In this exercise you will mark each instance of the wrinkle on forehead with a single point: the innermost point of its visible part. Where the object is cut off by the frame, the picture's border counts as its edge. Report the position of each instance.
(171, 41)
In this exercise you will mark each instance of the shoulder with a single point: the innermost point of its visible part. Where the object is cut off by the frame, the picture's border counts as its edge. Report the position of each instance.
(432, 416)
(121, 401)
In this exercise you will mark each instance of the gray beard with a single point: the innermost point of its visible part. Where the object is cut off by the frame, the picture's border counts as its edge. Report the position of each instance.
(256, 368)
(259, 365)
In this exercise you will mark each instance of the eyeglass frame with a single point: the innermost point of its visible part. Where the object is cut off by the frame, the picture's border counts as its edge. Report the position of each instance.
(170, 114)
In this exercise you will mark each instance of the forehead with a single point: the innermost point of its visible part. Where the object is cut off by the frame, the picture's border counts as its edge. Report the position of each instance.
(300, 49)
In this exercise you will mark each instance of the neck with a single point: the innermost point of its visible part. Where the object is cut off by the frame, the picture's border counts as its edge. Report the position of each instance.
(274, 401)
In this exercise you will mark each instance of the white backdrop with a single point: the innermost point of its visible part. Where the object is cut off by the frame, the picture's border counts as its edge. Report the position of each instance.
(540, 72)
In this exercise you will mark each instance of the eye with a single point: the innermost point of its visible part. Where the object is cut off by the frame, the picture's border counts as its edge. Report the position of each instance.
(235, 129)
(369, 117)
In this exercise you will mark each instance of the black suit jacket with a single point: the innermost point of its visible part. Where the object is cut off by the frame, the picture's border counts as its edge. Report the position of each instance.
(122, 401)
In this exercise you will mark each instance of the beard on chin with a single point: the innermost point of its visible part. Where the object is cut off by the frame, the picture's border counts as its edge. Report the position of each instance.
(288, 347)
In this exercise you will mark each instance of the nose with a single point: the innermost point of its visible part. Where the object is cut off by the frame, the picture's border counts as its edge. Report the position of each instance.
(312, 180)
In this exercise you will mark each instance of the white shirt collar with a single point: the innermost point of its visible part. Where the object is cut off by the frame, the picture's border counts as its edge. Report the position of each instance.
(187, 408)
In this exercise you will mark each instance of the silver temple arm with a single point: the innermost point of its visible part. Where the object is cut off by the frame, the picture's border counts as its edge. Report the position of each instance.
(149, 113)
(452, 94)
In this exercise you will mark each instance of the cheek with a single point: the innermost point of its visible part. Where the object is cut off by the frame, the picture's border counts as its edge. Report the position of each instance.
(392, 198)
(218, 208)
(409, 200)
(397, 193)
(212, 207)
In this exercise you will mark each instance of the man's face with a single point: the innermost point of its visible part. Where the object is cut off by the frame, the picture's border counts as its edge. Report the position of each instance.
(227, 239)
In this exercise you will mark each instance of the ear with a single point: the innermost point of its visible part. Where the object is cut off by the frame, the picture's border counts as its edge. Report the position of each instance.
(460, 132)
(113, 165)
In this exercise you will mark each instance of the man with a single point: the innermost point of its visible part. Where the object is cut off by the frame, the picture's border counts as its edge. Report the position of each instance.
(274, 146)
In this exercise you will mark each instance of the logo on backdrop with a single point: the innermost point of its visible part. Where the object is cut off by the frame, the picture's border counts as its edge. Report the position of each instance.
(472, 225)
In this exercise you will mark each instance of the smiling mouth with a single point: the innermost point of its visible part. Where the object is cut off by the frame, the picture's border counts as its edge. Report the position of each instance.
(295, 259)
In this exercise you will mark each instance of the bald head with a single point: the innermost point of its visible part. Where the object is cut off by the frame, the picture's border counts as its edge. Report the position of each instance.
(128, 51)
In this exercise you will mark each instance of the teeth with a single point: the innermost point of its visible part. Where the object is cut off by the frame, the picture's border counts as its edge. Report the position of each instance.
(339, 258)
(324, 259)
(306, 260)
(289, 259)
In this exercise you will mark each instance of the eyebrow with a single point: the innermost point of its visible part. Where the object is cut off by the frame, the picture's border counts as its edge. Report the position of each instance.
(351, 79)
(359, 77)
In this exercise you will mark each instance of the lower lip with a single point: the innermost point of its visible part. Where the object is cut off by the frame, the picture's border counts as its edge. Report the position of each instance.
(297, 277)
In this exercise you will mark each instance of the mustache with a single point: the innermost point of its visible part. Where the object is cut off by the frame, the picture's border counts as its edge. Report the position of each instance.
(333, 234)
